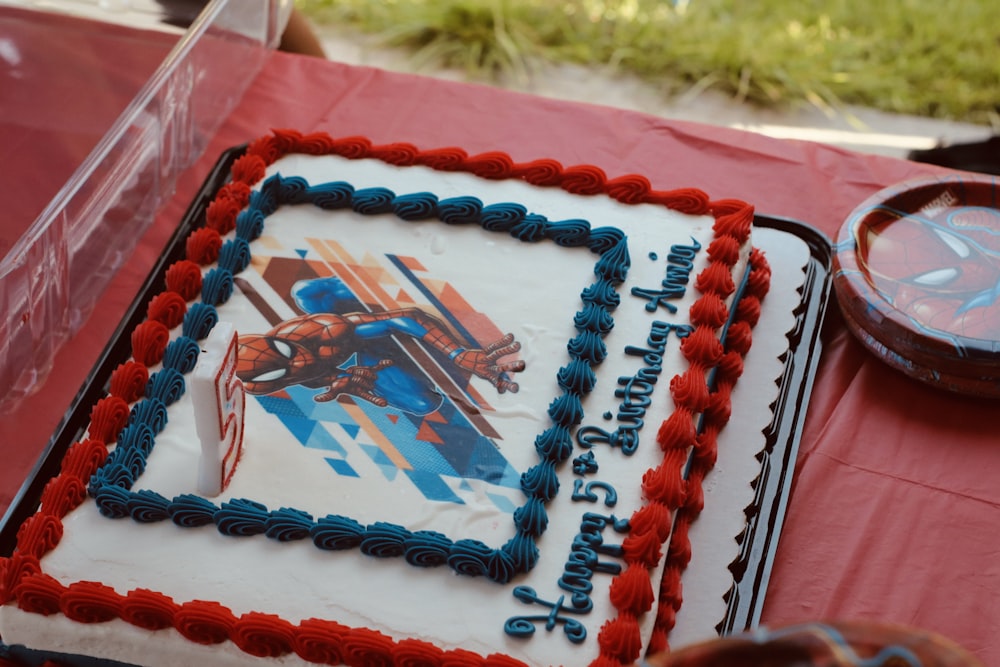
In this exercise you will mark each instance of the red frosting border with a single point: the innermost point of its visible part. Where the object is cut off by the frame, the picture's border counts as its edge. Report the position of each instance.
(670, 499)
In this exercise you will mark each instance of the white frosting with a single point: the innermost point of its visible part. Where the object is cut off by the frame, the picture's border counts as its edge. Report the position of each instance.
(531, 290)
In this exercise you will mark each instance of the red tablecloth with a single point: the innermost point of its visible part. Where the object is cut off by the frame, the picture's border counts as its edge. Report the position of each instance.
(893, 503)
(63, 83)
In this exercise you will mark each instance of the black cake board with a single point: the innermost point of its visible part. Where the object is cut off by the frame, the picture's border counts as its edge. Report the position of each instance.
(751, 569)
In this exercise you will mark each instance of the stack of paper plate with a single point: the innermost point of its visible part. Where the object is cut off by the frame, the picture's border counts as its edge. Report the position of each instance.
(917, 274)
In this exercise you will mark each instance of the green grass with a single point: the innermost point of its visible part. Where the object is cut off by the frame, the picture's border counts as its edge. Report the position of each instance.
(923, 57)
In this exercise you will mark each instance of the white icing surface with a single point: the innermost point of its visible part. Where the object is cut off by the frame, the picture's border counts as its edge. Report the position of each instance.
(530, 290)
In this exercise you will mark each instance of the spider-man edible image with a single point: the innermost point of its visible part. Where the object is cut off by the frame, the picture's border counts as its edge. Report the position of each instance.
(351, 353)
(935, 259)
(381, 359)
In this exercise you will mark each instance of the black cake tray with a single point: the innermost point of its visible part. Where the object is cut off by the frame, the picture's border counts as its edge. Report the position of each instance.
(756, 545)
(751, 569)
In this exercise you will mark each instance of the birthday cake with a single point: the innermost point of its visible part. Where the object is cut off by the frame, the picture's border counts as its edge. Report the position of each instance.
(405, 407)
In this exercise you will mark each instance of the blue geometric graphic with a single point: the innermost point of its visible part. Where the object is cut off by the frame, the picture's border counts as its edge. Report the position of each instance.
(458, 452)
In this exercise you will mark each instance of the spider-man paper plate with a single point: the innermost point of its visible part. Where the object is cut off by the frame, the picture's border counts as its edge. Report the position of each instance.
(917, 274)
(826, 644)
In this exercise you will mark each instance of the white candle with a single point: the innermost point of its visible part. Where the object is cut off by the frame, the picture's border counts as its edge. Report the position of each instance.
(219, 402)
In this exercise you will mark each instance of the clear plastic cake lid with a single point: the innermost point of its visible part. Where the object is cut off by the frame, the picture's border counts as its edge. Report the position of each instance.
(102, 106)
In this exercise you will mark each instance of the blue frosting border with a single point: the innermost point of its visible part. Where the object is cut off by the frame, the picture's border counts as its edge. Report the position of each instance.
(111, 486)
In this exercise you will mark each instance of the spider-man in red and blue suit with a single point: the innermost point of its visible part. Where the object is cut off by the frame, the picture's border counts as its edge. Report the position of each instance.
(353, 354)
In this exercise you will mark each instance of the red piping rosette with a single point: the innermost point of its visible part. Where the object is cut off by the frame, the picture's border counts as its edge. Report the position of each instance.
(203, 245)
(38, 534)
(725, 249)
(670, 587)
(689, 389)
(263, 635)
(760, 275)
(287, 140)
(584, 180)
(630, 189)
(367, 648)
(128, 381)
(493, 165)
(39, 594)
(652, 517)
(730, 367)
(664, 483)
(235, 191)
(204, 622)
(543, 173)
(148, 609)
(461, 658)
(399, 154)
(83, 459)
(249, 168)
(63, 494)
(702, 345)
(739, 338)
(732, 218)
(632, 591)
(107, 418)
(642, 550)
(267, 148)
(684, 200)
(353, 148)
(416, 653)
(321, 641)
(718, 278)
(620, 638)
(442, 159)
(709, 311)
(315, 143)
(184, 277)
(149, 341)
(221, 213)
(90, 602)
(167, 308)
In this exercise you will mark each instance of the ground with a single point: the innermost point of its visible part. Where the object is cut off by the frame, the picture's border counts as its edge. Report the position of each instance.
(854, 128)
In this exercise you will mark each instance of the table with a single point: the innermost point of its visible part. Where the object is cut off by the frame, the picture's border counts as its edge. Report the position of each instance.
(893, 504)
